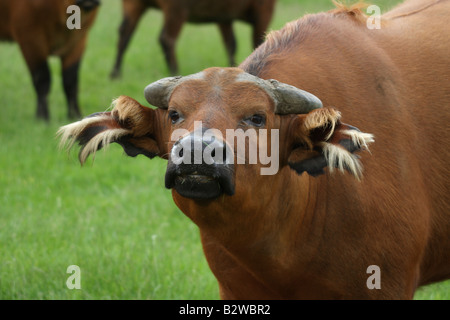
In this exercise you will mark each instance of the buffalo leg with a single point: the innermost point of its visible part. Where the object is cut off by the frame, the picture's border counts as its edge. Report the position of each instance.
(229, 40)
(263, 16)
(41, 81)
(70, 70)
(132, 12)
(70, 84)
(168, 36)
(259, 30)
(36, 59)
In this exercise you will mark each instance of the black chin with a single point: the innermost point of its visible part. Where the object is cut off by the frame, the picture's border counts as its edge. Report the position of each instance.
(197, 187)
(199, 182)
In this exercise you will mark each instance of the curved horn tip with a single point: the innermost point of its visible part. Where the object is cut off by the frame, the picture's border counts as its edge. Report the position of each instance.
(291, 100)
(157, 93)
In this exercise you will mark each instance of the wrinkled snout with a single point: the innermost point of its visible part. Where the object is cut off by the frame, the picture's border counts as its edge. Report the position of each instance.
(200, 167)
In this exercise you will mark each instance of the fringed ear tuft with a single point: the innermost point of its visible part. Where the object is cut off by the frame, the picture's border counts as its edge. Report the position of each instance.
(325, 118)
(360, 139)
(92, 134)
(340, 158)
(128, 124)
(327, 143)
(131, 114)
(100, 140)
(68, 133)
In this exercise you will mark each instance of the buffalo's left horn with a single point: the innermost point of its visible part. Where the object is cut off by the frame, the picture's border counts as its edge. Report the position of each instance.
(291, 100)
(288, 99)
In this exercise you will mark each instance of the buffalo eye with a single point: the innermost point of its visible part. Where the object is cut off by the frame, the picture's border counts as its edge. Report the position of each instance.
(256, 120)
(174, 116)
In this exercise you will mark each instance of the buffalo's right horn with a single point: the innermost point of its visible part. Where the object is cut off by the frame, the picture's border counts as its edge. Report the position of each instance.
(158, 93)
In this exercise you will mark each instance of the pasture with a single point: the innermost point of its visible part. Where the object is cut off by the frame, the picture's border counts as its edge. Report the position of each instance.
(113, 217)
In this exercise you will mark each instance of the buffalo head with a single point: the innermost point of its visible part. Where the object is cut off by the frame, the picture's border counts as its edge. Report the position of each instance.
(223, 129)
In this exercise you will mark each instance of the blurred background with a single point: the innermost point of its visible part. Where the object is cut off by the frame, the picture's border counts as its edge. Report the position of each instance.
(113, 218)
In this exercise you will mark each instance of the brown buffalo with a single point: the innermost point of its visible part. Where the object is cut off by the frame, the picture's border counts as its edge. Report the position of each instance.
(40, 28)
(176, 12)
(307, 231)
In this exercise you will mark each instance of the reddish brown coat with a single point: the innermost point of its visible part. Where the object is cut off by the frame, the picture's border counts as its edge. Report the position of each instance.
(40, 28)
(287, 235)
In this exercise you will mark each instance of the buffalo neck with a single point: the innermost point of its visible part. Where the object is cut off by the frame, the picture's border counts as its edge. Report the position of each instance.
(247, 218)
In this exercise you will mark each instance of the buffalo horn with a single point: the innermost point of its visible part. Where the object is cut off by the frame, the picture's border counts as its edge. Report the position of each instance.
(158, 93)
(288, 99)
(291, 100)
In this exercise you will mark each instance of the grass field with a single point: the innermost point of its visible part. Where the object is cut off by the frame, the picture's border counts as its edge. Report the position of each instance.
(113, 218)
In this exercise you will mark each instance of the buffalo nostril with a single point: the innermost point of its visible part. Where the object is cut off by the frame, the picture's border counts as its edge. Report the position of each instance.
(213, 153)
(181, 153)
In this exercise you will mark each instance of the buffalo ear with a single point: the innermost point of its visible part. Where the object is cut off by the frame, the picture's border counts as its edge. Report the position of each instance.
(128, 124)
(321, 140)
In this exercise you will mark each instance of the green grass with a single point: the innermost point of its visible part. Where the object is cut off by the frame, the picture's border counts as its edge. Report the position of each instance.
(113, 218)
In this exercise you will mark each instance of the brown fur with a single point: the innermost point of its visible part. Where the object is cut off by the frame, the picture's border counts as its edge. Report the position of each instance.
(391, 82)
(291, 236)
(39, 27)
(223, 12)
